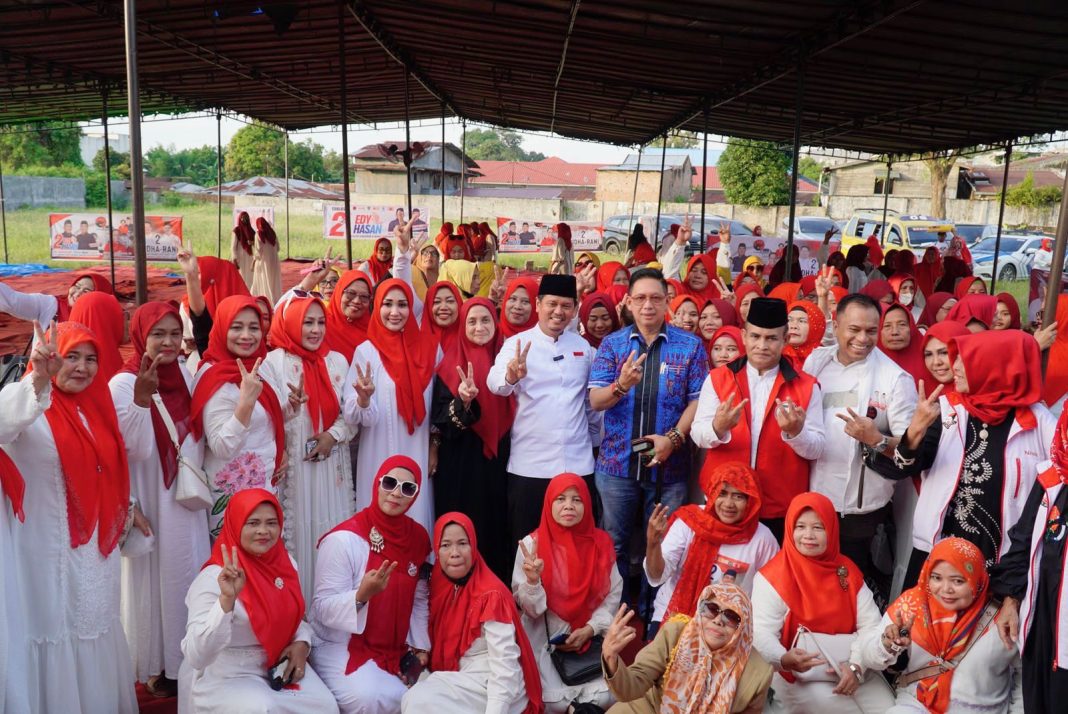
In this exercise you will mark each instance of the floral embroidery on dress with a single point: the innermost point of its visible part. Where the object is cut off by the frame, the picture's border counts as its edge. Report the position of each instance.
(246, 471)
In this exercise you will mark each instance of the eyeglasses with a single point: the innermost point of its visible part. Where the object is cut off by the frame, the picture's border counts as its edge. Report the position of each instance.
(730, 618)
(757, 266)
(330, 283)
(408, 489)
(355, 296)
(652, 299)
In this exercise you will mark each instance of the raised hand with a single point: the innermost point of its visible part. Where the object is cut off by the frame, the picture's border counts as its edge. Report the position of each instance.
(497, 288)
(789, 416)
(403, 235)
(631, 371)
(231, 578)
(725, 291)
(419, 242)
(586, 279)
(685, 231)
(467, 389)
(45, 357)
(251, 384)
(829, 234)
(147, 381)
(728, 415)
(517, 366)
(297, 395)
(375, 580)
(724, 232)
(187, 259)
(658, 525)
(897, 635)
(618, 636)
(364, 385)
(532, 564)
(860, 427)
(824, 282)
(928, 409)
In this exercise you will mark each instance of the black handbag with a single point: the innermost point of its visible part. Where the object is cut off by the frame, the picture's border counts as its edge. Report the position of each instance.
(12, 367)
(576, 667)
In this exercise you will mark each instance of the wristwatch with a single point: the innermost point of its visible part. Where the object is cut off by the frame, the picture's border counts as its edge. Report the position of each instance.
(881, 446)
(855, 670)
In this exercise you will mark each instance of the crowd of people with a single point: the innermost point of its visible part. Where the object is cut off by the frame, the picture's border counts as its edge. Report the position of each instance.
(429, 484)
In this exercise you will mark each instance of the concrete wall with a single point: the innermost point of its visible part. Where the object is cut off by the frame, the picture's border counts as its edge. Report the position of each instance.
(619, 185)
(38, 191)
(957, 210)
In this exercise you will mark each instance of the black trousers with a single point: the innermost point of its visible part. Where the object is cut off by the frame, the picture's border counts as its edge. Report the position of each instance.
(525, 497)
(867, 539)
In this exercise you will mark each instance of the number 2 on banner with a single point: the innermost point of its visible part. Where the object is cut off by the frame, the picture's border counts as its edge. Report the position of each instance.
(337, 225)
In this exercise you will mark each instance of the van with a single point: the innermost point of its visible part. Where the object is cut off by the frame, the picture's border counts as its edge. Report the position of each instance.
(913, 232)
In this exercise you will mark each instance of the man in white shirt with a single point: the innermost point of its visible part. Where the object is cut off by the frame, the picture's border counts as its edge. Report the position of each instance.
(547, 369)
(868, 402)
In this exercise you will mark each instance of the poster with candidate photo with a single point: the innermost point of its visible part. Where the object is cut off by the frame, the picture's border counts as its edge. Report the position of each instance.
(529, 236)
(372, 222)
(87, 237)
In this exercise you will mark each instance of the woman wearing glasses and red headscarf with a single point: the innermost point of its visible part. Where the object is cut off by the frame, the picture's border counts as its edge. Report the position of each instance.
(371, 597)
(45, 308)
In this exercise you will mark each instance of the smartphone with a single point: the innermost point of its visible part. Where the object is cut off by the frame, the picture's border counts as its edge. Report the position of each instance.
(559, 639)
(276, 675)
(410, 668)
(309, 446)
(640, 446)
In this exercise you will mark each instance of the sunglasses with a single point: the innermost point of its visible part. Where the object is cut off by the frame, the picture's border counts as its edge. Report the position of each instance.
(408, 489)
(730, 618)
(755, 267)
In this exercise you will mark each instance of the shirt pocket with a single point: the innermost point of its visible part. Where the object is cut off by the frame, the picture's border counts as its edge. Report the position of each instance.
(673, 379)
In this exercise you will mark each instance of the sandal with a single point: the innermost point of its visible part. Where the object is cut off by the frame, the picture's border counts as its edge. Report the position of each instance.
(161, 687)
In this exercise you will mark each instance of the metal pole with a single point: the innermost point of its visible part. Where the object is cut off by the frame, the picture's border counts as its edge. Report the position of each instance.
(1053, 287)
(407, 146)
(634, 195)
(285, 155)
(1001, 217)
(137, 178)
(704, 179)
(218, 180)
(660, 194)
(107, 185)
(788, 254)
(463, 166)
(443, 162)
(886, 200)
(3, 211)
(344, 128)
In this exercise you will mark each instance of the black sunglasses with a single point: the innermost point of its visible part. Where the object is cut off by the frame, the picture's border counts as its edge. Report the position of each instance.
(730, 618)
(408, 489)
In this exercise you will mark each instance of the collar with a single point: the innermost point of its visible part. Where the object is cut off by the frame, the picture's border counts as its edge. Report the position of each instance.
(635, 333)
(545, 336)
(834, 358)
(752, 373)
(784, 368)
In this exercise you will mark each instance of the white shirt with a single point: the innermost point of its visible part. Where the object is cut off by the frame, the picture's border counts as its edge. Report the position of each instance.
(553, 427)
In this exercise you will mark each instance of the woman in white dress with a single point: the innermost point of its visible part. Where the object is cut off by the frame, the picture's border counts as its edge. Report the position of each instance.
(236, 408)
(479, 653)
(154, 584)
(370, 611)
(810, 603)
(243, 246)
(388, 391)
(266, 271)
(246, 622)
(13, 646)
(59, 427)
(316, 491)
(567, 584)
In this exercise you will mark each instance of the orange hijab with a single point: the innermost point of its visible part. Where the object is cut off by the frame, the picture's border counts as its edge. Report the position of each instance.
(342, 334)
(323, 404)
(103, 315)
(443, 336)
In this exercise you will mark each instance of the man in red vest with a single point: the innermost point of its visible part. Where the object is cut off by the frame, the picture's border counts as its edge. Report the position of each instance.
(761, 411)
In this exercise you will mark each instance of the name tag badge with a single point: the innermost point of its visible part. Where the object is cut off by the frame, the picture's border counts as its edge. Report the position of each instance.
(558, 358)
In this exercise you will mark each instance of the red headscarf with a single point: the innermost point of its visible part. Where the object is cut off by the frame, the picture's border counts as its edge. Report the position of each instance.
(787, 292)
(443, 336)
(563, 234)
(1013, 307)
(1003, 370)
(962, 287)
(710, 290)
(710, 532)
(267, 234)
(875, 251)
(496, 413)
(681, 300)
(172, 389)
(458, 610)
(726, 311)
(839, 294)
(103, 315)
(246, 236)
(935, 301)
(589, 302)
(407, 355)
(643, 254)
(898, 279)
(342, 334)
(221, 368)
(817, 325)
(944, 332)
(578, 559)
(616, 293)
(92, 454)
(460, 241)
(443, 237)
(941, 632)
(404, 542)
(606, 274)
(974, 307)
(726, 331)
(928, 271)
(808, 285)
(100, 284)
(12, 484)
(274, 611)
(323, 404)
(877, 289)
(910, 358)
(219, 279)
(742, 292)
(531, 286)
(820, 592)
(677, 284)
(1057, 366)
(379, 269)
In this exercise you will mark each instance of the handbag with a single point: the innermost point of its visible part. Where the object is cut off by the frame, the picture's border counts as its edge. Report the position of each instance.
(12, 367)
(191, 489)
(835, 649)
(575, 667)
(934, 670)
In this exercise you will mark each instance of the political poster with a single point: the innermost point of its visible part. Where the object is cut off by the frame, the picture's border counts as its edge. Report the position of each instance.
(254, 212)
(85, 237)
(1036, 296)
(529, 236)
(770, 250)
(372, 222)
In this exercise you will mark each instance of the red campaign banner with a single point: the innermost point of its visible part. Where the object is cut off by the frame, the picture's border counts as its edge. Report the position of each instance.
(530, 236)
(87, 237)
(371, 222)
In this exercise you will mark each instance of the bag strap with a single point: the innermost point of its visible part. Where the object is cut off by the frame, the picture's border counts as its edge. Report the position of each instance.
(167, 421)
(936, 669)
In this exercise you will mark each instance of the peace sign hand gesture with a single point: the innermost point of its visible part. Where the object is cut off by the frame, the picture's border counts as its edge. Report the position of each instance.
(467, 389)
(187, 259)
(728, 415)
(824, 281)
(375, 580)
(297, 395)
(928, 409)
(364, 385)
(45, 357)
(631, 371)
(231, 579)
(251, 384)
(618, 636)
(496, 292)
(532, 564)
(586, 279)
(725, 291)
(147, 381)
(685, 231)
(517, 367)
(860, 427)
(724, 232)
(403, 235)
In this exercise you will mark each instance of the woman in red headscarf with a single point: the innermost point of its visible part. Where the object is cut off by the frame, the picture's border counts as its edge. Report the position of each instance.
(974, 311)
(805, 326)
(266, 270)
(370, 608)
(104, 317)
(598, 317)
(811, 585)
(458, 247)
(684, 313)
(317, 490)
(1056, 383)
(388, 390)
(972, 285)
(441, 312)
(380, 263)
(517, 312)
(928, 271)
(237, 406)
(59, 428)
(611, 273)
(566, 584)
(936, 310)
(715, 314)
(703, 544)
(725, 346)
(45, 308)
(155, 583)
(975, 471)
(938, 368)
(906, 292)
(246, 615)
(1007, 313)
(208, 281)
(700, 276)
(348, 314)
(562, 261)
(745, 295)
(880, 291)
(243, 247)
(948, 617)
(473, 433)
(902, 341)
(479, 652)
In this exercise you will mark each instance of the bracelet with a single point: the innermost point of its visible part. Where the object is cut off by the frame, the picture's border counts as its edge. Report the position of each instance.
(677, 441)
(617, 389)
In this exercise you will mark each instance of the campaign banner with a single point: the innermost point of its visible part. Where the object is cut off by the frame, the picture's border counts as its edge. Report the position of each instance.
(529, 236)
(86, 237)
(371, 222)
(770, 250)
(254, 212)
(1036, 295)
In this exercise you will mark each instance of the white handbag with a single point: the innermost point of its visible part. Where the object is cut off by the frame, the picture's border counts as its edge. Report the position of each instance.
(191, 489)
(835, 649)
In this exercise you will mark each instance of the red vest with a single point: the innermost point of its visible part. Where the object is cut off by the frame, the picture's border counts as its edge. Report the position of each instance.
(781, 473)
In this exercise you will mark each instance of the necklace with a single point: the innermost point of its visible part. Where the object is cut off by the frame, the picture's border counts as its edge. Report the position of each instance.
(378, 543)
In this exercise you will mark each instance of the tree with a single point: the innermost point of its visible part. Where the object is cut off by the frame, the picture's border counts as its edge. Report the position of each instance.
(809, 168)
(255, 150)
(678, 140)
(755, 173)
(498, 145)
(939, 164)
(333, 167)
(43, 144)
(120, 164)
(306, 161)
(1025, 194)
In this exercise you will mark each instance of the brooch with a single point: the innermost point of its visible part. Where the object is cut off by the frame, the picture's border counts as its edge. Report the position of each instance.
(412, 570)
(843, 577)
(377, 541)
(278, 583)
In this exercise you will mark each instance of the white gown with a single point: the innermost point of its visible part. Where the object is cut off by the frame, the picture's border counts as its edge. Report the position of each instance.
(242, 259)
(13, 649)
(266, 271)
(225, 667)
(315, 496)
(77, 658)
(369, 690)
(154, 585)
(383, 433)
